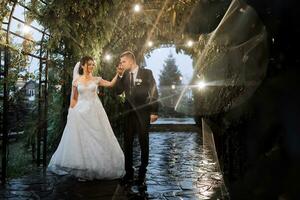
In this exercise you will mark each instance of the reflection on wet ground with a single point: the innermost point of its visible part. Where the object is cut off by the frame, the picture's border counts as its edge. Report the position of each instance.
(175, 121)
(180, 167)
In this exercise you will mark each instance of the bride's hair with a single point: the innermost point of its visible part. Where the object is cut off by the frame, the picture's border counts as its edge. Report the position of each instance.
(83, 61)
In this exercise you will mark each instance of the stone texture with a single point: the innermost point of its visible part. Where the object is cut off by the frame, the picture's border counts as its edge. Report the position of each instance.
(180, 167)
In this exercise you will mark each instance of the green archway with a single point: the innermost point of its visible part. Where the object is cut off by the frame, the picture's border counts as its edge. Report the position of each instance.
(111, 26)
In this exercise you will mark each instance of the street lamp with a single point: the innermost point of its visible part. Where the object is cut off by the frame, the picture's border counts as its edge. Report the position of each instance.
(190, 43)
(173, 87)
(150, 43)
(137, 8)
(107, 57)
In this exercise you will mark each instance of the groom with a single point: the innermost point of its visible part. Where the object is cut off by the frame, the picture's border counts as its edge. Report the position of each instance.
(141, 108)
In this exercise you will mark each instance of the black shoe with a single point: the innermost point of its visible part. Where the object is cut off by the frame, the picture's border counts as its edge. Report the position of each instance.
(127, 180)
(82, 180)
(141, 184)
(131, 194)
(142, 174)
(142, 187)
(141, 178)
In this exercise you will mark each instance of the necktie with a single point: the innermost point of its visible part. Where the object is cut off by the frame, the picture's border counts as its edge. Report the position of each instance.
(131, 82)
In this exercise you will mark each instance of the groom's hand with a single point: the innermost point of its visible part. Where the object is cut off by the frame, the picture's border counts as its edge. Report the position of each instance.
(153, 118)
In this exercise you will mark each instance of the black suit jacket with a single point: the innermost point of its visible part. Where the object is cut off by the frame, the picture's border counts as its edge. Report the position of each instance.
(144, 96)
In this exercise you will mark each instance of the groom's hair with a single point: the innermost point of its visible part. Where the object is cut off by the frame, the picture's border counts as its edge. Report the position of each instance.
(128, 54)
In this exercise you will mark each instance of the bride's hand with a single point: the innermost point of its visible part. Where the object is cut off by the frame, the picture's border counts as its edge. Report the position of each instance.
(120, 70)
(73, 104)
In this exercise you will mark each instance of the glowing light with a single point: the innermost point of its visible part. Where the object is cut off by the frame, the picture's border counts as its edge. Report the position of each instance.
(190, 43)
(150, 43)
(201, 85)
(242, 10)
(137, 8)
(180, 78)
(26, 29)
(173, 87)
(107, 57)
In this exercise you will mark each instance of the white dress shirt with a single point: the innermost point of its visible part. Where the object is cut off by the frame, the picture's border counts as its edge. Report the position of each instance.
(135, 72)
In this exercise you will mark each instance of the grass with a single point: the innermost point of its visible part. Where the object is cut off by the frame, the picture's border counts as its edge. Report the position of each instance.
(19, 159)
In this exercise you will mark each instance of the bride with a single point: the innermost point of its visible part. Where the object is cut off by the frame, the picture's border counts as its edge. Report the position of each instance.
(88, 148)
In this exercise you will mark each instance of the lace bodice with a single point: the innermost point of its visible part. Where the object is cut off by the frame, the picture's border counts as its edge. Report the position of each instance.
(87, 91)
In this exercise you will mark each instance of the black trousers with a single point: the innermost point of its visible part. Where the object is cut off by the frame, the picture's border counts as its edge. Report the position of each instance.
(137, 123)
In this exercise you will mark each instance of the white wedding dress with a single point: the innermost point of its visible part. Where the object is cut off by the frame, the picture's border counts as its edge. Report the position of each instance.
(88, 148)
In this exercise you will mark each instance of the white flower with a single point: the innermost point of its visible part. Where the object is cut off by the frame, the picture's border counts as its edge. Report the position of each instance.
(138, 81)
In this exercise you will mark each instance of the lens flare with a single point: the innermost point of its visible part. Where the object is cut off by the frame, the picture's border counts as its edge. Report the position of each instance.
(190, 43)
(150, 43)
(201, 85)
(107, 57)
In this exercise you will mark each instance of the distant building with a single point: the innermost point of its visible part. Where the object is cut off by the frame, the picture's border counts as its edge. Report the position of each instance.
(20, 104)
(20, 83)
(29, 89)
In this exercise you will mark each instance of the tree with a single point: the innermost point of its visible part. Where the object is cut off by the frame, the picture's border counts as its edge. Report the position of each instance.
(169, 84)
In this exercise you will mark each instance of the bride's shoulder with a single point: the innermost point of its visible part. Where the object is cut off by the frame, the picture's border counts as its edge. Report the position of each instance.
(75, 81)
(97, 78)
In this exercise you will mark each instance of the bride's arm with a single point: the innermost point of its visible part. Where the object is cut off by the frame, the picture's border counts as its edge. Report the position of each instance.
(75, 97)
(105, 83)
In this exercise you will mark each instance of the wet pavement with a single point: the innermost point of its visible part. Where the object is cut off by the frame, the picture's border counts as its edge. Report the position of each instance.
(180, 167)
(175, 121)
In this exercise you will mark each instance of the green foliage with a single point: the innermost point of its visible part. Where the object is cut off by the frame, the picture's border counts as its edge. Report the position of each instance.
(93, 28)
(169, 86)
(170, 75)
(56, 98)
(83, 26)
(4, 7)
(17, 60)
(77, 29)
(19, 159)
